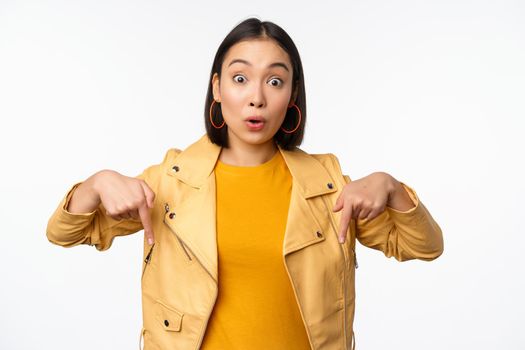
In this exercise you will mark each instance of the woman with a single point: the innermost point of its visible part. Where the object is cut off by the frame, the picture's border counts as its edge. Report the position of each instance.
(249, 240)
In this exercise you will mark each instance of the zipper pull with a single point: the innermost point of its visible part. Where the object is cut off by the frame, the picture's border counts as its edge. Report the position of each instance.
(148, 257)
(355, 258)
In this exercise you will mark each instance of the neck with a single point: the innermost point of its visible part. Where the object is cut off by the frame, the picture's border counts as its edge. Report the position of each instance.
(245, 154)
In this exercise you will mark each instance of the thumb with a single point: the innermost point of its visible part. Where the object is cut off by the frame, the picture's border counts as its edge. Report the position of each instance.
(338, 204)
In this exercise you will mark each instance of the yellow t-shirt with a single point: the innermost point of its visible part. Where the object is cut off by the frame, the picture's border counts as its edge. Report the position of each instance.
(256, 306)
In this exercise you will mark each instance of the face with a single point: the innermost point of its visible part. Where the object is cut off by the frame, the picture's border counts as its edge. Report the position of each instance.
(256, 81)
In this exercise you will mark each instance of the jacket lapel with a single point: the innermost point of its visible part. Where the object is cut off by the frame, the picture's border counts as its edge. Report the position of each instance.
(195, 221)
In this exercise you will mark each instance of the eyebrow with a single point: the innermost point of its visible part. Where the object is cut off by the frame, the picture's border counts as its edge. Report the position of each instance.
(275, 64)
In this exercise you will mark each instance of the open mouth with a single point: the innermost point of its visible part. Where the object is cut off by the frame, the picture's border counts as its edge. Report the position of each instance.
(254, 121)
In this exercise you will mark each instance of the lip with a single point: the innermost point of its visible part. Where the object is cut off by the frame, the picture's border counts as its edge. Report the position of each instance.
(255, 117)
(255, 127)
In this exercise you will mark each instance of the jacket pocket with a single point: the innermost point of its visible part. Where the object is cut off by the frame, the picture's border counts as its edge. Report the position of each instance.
(168, 317)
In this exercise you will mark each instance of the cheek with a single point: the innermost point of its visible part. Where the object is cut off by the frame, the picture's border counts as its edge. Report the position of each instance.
(232, 101)
(280, 105)
(230, 94)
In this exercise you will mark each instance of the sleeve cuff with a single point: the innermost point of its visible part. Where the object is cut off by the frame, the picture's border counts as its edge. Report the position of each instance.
(65, 202)
(69, 229)
(413, 196)
(413, 214)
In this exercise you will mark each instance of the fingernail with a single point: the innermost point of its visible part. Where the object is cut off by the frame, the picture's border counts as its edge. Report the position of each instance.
(150, 241)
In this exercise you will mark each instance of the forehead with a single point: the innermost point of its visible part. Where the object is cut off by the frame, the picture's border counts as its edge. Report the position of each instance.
(259, 52)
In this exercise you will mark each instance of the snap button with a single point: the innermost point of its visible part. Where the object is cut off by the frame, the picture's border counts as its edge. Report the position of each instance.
(330, 185)
(175, 168)
(319, 234)
(166, 323)
(166, 207)
(172, 215)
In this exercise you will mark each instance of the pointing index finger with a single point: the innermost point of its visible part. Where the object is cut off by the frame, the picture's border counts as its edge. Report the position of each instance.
(148, 193)
(145, 217)
(346, 215)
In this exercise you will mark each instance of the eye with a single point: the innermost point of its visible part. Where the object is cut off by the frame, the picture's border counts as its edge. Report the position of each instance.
(277, 79)
(237, 80)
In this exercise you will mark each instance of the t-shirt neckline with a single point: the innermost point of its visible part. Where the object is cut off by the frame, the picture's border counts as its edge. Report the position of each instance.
(250, 169)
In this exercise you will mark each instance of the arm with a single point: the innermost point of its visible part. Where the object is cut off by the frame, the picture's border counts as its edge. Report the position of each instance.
(405, 234)
(83, 226)
(85, 220)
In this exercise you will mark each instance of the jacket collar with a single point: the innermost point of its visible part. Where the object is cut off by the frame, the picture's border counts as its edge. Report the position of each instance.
(196, 163)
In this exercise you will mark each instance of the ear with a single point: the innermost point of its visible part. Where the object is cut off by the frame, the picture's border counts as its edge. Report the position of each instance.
(294, 97)
(216, 90)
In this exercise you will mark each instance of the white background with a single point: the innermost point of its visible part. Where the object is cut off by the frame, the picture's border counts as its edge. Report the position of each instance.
(431, 92)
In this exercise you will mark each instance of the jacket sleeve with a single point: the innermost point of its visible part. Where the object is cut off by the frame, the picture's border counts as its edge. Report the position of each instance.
(405, 235)
(95, 228)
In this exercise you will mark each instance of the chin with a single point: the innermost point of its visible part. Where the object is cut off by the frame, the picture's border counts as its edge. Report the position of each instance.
(254, 138)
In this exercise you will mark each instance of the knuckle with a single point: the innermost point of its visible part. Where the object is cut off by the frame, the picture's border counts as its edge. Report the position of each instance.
(137, 202)
(112, 211)
(120, 208)
(139, 185)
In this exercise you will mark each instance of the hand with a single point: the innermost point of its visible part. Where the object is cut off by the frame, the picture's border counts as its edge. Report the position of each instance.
(365, 198)
(125, 198)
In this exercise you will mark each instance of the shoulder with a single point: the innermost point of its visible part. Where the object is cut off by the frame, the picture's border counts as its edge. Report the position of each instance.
(170, 155)
(152, 172)
(328, 160)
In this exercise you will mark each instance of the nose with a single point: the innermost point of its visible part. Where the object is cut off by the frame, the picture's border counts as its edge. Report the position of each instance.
(257, 98)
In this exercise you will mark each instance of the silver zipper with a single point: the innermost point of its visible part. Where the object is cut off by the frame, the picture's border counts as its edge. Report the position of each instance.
(147, 260)
(183, 246)
(167, 209)
(209, 273)
(334, 227)
(355, 257)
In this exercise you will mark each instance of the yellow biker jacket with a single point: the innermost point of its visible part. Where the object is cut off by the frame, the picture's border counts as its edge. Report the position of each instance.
(179, 276)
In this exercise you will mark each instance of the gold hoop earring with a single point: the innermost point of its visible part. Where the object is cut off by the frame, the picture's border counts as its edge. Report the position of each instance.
(211, 120)
(299, 123)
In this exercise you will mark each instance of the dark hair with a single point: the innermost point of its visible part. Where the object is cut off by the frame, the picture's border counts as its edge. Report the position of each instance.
(253, 28)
